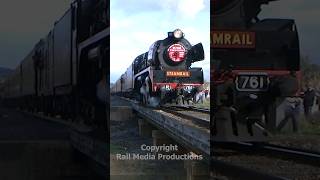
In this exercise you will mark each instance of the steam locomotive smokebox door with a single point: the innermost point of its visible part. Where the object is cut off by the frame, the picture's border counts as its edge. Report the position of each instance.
(173, 54)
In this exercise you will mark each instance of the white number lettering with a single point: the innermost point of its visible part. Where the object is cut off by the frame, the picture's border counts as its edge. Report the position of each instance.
(261, 82)
(254, 83)
(245, 82)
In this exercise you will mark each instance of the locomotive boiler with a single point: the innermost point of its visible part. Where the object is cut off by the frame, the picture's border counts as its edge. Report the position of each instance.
(164, 72)
(256, 63)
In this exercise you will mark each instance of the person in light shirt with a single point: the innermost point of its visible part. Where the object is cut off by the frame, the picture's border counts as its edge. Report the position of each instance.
(291, 111)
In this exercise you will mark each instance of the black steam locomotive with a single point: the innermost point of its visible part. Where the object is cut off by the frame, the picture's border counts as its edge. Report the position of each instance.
(256, 63)
(65, 73)
(161, 74)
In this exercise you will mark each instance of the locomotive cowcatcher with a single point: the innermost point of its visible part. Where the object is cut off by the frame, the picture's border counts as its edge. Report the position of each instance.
(164, 72)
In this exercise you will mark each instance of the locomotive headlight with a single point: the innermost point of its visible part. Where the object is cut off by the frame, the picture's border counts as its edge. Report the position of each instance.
(178, 33)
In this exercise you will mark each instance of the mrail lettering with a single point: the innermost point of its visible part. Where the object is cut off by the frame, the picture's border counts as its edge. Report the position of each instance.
(232, 39)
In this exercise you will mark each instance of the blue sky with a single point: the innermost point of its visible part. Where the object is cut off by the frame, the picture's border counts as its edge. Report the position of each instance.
(135, 26)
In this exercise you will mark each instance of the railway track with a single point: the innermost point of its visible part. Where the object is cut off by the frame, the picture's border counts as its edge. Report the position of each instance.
(192, 108)
(87, 147)
(228, 169)
(288, 153)
(220, 165)
(198, 116)
(238, 172)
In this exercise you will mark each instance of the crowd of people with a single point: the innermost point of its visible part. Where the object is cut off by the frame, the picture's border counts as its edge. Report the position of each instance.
(195, 96)
(293, 106)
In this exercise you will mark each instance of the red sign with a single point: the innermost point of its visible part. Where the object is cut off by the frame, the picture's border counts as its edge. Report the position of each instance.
(233, 39)
(178, 74)
(176, 52)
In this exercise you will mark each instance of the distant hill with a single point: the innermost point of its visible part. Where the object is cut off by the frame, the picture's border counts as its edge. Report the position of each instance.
(4, 72)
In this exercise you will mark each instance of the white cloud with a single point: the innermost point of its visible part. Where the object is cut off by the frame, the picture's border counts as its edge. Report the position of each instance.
(132, 32)
(190, 8)
(183, 8)
(124, 23)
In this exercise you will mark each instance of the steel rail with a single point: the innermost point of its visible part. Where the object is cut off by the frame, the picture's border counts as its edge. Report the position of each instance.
(226, 168)
(230, 170)
(95, 150)
(301, 155)
(192, 108)
(193, 137)
(288, 153)
(198, 121)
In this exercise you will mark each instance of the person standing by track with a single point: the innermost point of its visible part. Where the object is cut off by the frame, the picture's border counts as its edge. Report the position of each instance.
(308, 100)
(291, 111)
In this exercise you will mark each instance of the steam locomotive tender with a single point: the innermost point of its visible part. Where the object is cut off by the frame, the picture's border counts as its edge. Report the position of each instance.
(256, 63)
(163, 73)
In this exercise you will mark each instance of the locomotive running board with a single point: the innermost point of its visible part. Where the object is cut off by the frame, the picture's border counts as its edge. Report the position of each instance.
(225, 129)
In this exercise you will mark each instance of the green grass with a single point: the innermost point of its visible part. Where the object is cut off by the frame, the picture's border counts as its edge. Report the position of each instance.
(306, 126)
(114, 149)
(311, 125)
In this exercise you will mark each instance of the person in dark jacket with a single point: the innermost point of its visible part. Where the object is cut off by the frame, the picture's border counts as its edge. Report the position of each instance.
(308, 100)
